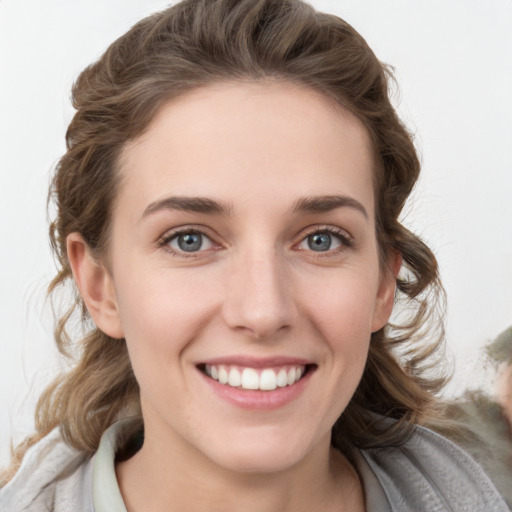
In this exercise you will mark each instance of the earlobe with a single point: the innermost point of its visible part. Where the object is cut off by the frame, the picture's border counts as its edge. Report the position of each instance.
(95, 285)
(386, 293)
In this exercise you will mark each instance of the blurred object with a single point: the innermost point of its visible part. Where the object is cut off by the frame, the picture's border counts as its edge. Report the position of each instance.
(485, 434)
(486, 421)
(500, 350)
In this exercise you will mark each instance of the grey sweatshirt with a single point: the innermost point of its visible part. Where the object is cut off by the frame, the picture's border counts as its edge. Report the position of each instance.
(426, 474)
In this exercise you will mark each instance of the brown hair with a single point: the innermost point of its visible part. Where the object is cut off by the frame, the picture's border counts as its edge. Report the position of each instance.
(190, 45)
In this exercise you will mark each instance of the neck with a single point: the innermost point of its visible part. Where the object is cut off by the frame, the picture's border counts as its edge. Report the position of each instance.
(155, 480)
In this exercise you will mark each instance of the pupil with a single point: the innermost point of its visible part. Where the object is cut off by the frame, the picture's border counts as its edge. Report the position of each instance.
(190, 242)
(319, 242)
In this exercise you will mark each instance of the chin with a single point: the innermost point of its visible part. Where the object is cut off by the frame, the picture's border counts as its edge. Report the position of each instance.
(263, 454)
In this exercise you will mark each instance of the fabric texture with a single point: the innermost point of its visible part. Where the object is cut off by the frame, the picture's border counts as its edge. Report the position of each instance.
(53, 477)
(428, 473)
(492, 447)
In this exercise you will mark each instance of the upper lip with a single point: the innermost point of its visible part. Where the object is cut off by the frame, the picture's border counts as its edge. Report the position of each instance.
(257, 362)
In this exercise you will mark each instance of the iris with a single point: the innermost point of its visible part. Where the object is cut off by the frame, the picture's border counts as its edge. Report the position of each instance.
(190, 242)
(320, 242)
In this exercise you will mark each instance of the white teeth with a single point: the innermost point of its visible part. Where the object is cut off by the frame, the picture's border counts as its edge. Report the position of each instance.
(291, 376)
(223, 375)
(234, 378)
(250, 379)
(282, 378)
(267, 379)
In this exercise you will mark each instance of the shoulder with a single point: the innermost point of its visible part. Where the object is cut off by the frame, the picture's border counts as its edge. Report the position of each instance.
(428, 472)
(52, 476)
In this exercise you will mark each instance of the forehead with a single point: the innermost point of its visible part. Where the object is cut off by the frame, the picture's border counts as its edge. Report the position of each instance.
(237, 141)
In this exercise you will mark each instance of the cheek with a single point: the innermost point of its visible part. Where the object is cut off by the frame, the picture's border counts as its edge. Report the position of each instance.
(161, 312)
(341, 309)
(343, 314)
(342, 303)
(161, 300)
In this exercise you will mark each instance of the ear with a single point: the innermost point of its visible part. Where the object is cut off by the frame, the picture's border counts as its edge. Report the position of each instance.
(386, 293)
(96, 286)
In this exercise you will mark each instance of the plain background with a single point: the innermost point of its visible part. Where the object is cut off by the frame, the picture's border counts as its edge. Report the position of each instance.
(453, 64)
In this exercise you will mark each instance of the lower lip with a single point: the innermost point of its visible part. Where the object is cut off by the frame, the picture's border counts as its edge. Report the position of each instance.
(257, 399)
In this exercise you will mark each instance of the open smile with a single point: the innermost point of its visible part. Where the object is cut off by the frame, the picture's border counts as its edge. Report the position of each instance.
(257, 385)
(263, 379)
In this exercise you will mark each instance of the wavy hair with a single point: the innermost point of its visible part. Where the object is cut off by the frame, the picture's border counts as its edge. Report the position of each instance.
(191, 45)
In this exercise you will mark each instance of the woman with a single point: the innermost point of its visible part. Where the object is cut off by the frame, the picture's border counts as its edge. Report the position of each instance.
(227, 208)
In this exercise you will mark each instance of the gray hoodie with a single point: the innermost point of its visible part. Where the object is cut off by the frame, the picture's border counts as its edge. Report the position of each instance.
(428, 473)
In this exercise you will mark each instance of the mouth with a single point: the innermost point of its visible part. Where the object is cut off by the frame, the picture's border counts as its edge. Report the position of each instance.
(256, 379)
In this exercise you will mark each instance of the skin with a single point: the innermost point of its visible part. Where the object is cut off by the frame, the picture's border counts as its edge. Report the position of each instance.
(256, 289)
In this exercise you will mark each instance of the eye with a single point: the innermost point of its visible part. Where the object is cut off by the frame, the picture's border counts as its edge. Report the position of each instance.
(189, 241)
(325, 240)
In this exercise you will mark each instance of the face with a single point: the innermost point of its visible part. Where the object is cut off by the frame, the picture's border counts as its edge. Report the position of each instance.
(243, 272)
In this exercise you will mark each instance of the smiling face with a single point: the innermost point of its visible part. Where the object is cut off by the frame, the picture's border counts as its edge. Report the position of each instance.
(243, 273)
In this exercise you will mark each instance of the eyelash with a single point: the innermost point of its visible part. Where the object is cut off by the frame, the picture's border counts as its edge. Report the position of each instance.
(165, 241)
(346, 241)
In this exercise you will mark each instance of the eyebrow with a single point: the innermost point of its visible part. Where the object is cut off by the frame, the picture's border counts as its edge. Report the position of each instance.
(313, 204)
(188, 204)
(322, 204)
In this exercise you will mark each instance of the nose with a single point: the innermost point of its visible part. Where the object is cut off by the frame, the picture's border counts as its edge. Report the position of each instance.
(259, 295)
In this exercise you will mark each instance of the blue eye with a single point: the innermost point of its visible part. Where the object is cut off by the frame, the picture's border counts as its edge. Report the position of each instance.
(323, 241)
(319, 242)
(190, 241)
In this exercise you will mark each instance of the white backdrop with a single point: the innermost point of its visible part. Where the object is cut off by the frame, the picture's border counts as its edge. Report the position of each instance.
(453, 61)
